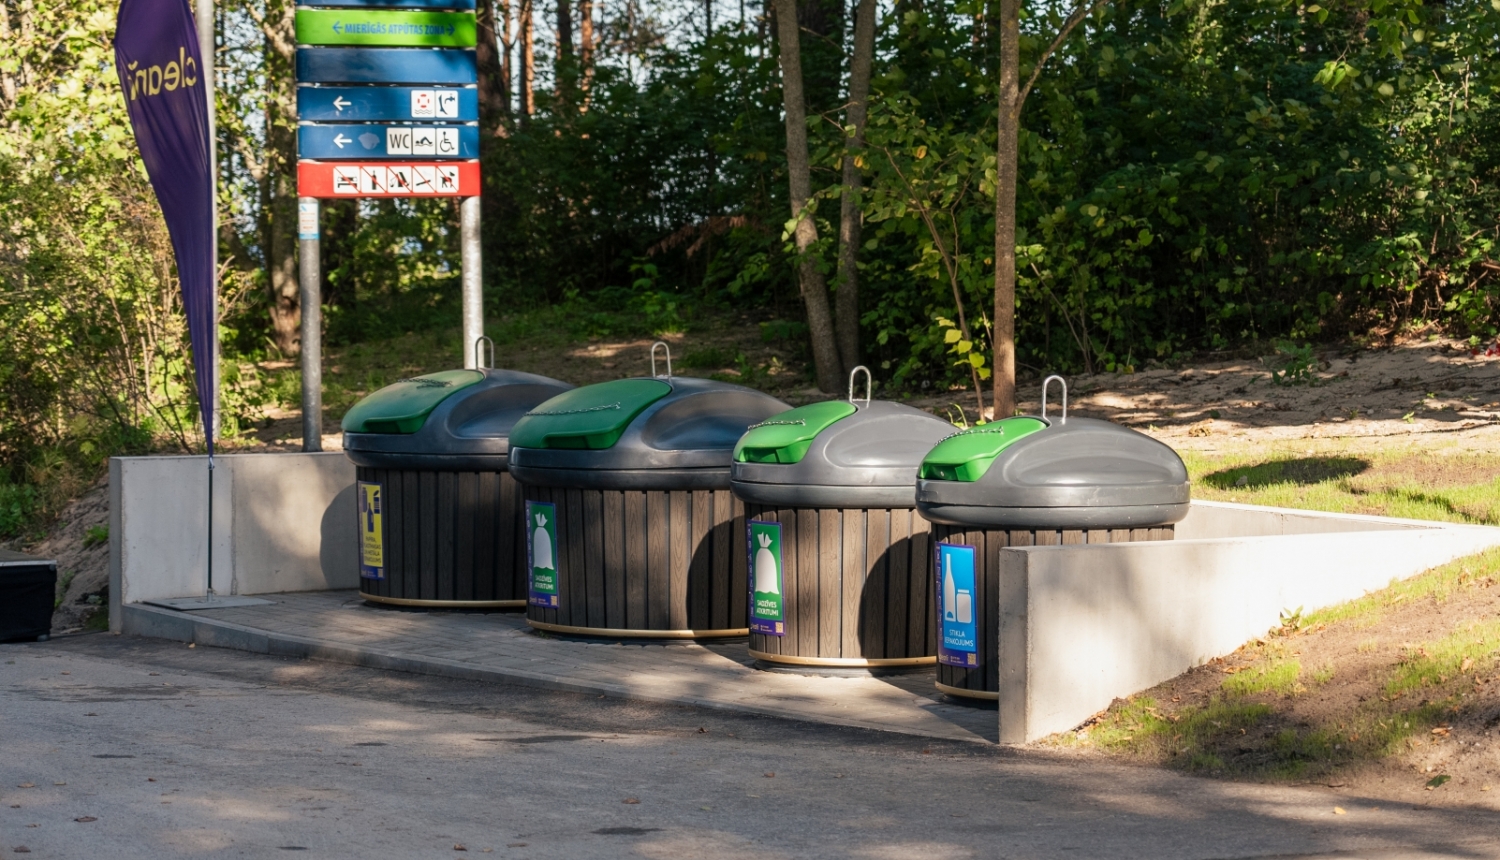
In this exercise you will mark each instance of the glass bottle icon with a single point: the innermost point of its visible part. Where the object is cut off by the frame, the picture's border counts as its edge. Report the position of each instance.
(949, 590)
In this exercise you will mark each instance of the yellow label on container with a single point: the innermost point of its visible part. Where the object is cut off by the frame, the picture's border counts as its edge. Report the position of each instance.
(371, 531)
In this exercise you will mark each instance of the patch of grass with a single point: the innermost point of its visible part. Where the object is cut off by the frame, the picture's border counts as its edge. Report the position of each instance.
(1277, 676)
(63, 581)
(95, 536)
(1438, 584)
(1300, 471)
(1415, 483)
(1140, 727)
(98, 620)
(709, 358)
(1471, 647)
(1254, 720)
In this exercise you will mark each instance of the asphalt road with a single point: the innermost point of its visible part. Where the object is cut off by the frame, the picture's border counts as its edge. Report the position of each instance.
(116, 747)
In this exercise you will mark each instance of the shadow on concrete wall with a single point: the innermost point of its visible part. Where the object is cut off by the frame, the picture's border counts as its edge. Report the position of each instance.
(338, 554)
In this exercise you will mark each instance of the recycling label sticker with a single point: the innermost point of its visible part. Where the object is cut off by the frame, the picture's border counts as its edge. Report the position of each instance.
(767, 606)
(371, 530)
(958, 636)
(541, 552)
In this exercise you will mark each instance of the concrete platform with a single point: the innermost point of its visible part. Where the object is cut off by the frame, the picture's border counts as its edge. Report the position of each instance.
(339, 626)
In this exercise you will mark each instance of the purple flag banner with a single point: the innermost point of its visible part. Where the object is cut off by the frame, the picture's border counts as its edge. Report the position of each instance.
(156, 55)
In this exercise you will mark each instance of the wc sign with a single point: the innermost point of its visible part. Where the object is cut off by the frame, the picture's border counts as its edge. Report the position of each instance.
(958, 642)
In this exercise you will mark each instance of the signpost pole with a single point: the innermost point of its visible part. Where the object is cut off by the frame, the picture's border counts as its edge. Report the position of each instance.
(311, 295)
(473, 278)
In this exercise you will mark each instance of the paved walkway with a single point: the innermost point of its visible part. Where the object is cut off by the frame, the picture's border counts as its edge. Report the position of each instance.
(499, 647)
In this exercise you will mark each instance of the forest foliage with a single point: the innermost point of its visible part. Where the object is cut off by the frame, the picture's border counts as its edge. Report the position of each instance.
(1195, 176)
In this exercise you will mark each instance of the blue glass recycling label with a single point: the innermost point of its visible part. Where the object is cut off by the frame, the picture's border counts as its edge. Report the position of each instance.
(958, 640)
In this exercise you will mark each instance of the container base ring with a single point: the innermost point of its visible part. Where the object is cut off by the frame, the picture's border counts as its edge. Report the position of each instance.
(967, 694)
(876, 663)
(445, 604)
(623, 633)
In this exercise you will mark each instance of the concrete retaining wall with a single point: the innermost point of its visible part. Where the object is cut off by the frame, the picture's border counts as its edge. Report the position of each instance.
(282, 522)
(1083, 625)
(1079, 625)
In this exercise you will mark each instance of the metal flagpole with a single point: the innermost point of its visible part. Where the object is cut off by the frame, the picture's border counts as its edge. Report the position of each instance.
(203, 15)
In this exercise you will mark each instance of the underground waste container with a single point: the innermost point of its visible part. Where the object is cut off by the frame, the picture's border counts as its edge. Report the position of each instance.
(28, 588)
(439, 514)
(838, 556)
(633, 531)
(1031, 481)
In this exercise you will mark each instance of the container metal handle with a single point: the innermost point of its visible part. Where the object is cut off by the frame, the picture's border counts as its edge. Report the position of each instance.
(479, 343)
(1064, 383)
(869, 383)
(668, 349)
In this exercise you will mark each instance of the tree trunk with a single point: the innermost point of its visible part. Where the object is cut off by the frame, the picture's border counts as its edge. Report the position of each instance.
(280, 242)
(799, 176)
(493, 99)
(506, 31)
(564, 34)
(8, 87)
(586, 31)
(846, 297)
(1006, 153)
(586, 45)
(528, 60)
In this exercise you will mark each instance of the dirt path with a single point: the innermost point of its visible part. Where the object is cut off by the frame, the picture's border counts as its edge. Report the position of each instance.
(1411, 389)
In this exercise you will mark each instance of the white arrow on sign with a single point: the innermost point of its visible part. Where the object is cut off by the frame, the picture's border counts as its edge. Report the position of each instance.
(339, 140)
(339, 104)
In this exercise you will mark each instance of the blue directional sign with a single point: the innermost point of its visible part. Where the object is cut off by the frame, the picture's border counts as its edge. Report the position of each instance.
(404, 4)
(386, 66)
(387, 104)
(346, 140)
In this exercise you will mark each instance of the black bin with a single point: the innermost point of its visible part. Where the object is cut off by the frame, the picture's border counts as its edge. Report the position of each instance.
(438, 511)
(838, 554)
(633, 530)
(1030, 481)
(28, 591)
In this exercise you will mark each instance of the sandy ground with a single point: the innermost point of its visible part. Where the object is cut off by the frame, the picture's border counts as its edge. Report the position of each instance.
(82, 563)
(1408, 390)
(1339, 705)
(1411, 389)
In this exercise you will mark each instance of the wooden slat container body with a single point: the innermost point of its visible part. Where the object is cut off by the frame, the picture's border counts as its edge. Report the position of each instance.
(855, 586)
(667, 564)
(983, 681)
(451, 539)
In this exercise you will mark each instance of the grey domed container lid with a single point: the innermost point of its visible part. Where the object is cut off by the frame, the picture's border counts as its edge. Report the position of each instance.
(657, 433)
(1068, 473)
(861, 454)
(456, 420)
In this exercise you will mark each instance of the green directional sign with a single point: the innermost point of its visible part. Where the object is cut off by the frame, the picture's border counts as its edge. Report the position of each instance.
(413, 29)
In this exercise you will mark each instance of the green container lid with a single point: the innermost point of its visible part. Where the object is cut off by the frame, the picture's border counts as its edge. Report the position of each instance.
(785, 438)
(967, 455)
(403, 407)
(592, 417)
